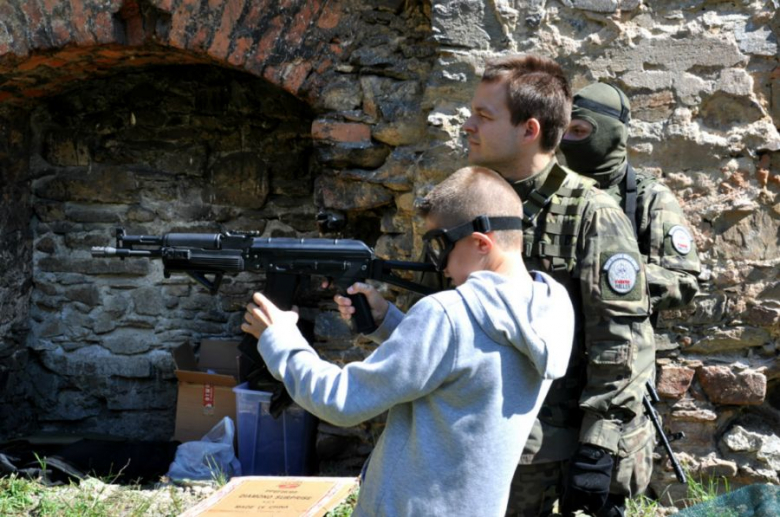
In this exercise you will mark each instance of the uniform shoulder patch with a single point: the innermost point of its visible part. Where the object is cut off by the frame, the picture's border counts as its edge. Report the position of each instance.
(681, 238)
(620, 274)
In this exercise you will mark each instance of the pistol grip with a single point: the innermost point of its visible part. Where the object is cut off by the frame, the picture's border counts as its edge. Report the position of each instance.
(364, 321)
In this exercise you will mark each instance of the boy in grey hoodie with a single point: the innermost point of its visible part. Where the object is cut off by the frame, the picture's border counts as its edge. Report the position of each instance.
(462, 375)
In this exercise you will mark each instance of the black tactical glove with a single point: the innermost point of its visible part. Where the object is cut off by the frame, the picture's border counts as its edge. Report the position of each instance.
(587, 485)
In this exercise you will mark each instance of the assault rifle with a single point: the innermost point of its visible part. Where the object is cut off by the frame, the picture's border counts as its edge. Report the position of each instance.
(653, 414)
(286, 262)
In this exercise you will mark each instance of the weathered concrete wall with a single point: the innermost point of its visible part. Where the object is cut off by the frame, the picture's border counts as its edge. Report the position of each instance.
(389, 83)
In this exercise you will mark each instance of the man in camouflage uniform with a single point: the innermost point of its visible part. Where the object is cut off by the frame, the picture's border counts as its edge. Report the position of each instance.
(595, 145)
(581, 237)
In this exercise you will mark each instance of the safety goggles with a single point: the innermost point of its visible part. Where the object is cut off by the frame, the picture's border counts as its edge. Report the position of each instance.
(439, 243)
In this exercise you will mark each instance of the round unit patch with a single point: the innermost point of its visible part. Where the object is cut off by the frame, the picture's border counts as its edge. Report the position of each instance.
(681, 239)
(622, 270)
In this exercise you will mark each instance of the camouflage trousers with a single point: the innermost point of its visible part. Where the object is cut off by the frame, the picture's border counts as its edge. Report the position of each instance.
(537, 487)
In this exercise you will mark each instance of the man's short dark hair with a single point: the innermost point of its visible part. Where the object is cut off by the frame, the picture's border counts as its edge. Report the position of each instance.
(536, 88)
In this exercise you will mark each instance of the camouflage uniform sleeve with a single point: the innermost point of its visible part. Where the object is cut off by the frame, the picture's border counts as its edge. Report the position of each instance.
(670, 250)
(619, 339)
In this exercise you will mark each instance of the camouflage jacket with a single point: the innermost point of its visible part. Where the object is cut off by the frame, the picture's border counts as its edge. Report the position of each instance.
(665, 241)
(581, 237)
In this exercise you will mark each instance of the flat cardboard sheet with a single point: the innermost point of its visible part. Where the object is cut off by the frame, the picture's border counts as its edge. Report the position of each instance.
(272, 496)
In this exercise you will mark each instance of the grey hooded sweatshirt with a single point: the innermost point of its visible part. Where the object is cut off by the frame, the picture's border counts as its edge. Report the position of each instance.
(463, 375)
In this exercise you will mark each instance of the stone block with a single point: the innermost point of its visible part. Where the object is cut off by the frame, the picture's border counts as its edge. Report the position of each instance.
(395, 246)
(347, 132)
(129, 341)
(64, 149)
(460, 23)
(71, 405)
(98, 185)
(329, 326)
(673, 381)
(239, 179)
(148, 301)
(87, 294)
(341, 94)
(756, 39)
(345, 155)
(725, 386)
(727, 339)
(341, 194)
(95, 360)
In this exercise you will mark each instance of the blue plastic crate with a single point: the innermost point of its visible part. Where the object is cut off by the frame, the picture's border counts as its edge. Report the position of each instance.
(273, 447)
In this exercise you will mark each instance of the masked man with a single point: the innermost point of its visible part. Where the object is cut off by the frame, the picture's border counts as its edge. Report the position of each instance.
(594, 145)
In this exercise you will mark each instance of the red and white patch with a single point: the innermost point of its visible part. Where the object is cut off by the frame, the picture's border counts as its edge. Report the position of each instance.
(622, 271)
(681, 239)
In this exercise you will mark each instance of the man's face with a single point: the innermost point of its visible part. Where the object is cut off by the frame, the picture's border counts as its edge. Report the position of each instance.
(578, 129)
(493, 140)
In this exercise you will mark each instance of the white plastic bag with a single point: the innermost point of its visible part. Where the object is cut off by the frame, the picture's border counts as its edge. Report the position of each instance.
(209, 458)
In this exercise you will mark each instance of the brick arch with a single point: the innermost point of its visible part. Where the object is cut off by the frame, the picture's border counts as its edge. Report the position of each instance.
(47, 45)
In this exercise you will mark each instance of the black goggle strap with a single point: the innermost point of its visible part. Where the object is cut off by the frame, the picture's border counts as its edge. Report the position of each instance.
(482, 224)
(624, 115)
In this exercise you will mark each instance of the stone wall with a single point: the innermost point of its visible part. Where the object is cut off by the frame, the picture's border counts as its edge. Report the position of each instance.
(387, 85)
(702, 77)
(16, 409)
(190, 148)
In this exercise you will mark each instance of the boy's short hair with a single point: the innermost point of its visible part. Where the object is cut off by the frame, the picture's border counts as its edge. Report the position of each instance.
(536, 88)
(470, 192)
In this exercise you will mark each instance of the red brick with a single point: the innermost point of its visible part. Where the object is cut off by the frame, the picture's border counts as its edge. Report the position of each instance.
(221, 43)
(5, 96)
(267, 43)
(329, 18)
(295, 75)
(240, 51)
(34, 92)
(50, 5)
(272, 75)
(60, 30)
(296, 31)
(340, 131)
(257, 8)
(323, 66)
(80, 21)
(103, 24)
(180, 19)
(36, 24)
(163, 5)
(199, 39)
(32, 63)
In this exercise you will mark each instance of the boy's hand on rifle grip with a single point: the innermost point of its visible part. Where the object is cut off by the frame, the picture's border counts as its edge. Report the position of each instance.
(262, 313)
(378, 304)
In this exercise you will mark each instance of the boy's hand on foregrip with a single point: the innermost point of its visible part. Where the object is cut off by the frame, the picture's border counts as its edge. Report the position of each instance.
(262, 313)
(378, 304)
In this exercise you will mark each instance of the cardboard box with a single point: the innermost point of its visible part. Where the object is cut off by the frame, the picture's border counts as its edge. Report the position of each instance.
(205, 398)
(275, 496)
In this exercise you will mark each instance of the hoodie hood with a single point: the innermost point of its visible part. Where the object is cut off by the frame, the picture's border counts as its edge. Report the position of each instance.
(536, 317)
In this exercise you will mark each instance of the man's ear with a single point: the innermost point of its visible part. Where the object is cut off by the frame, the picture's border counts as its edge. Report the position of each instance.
(532, 130)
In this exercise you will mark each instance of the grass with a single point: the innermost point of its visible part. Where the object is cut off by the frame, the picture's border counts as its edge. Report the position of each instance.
(89, 498)
(346, 507)
(99, 498)
(698, 491)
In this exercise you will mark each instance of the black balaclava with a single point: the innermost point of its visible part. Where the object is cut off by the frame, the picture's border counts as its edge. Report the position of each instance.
(602, 155)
